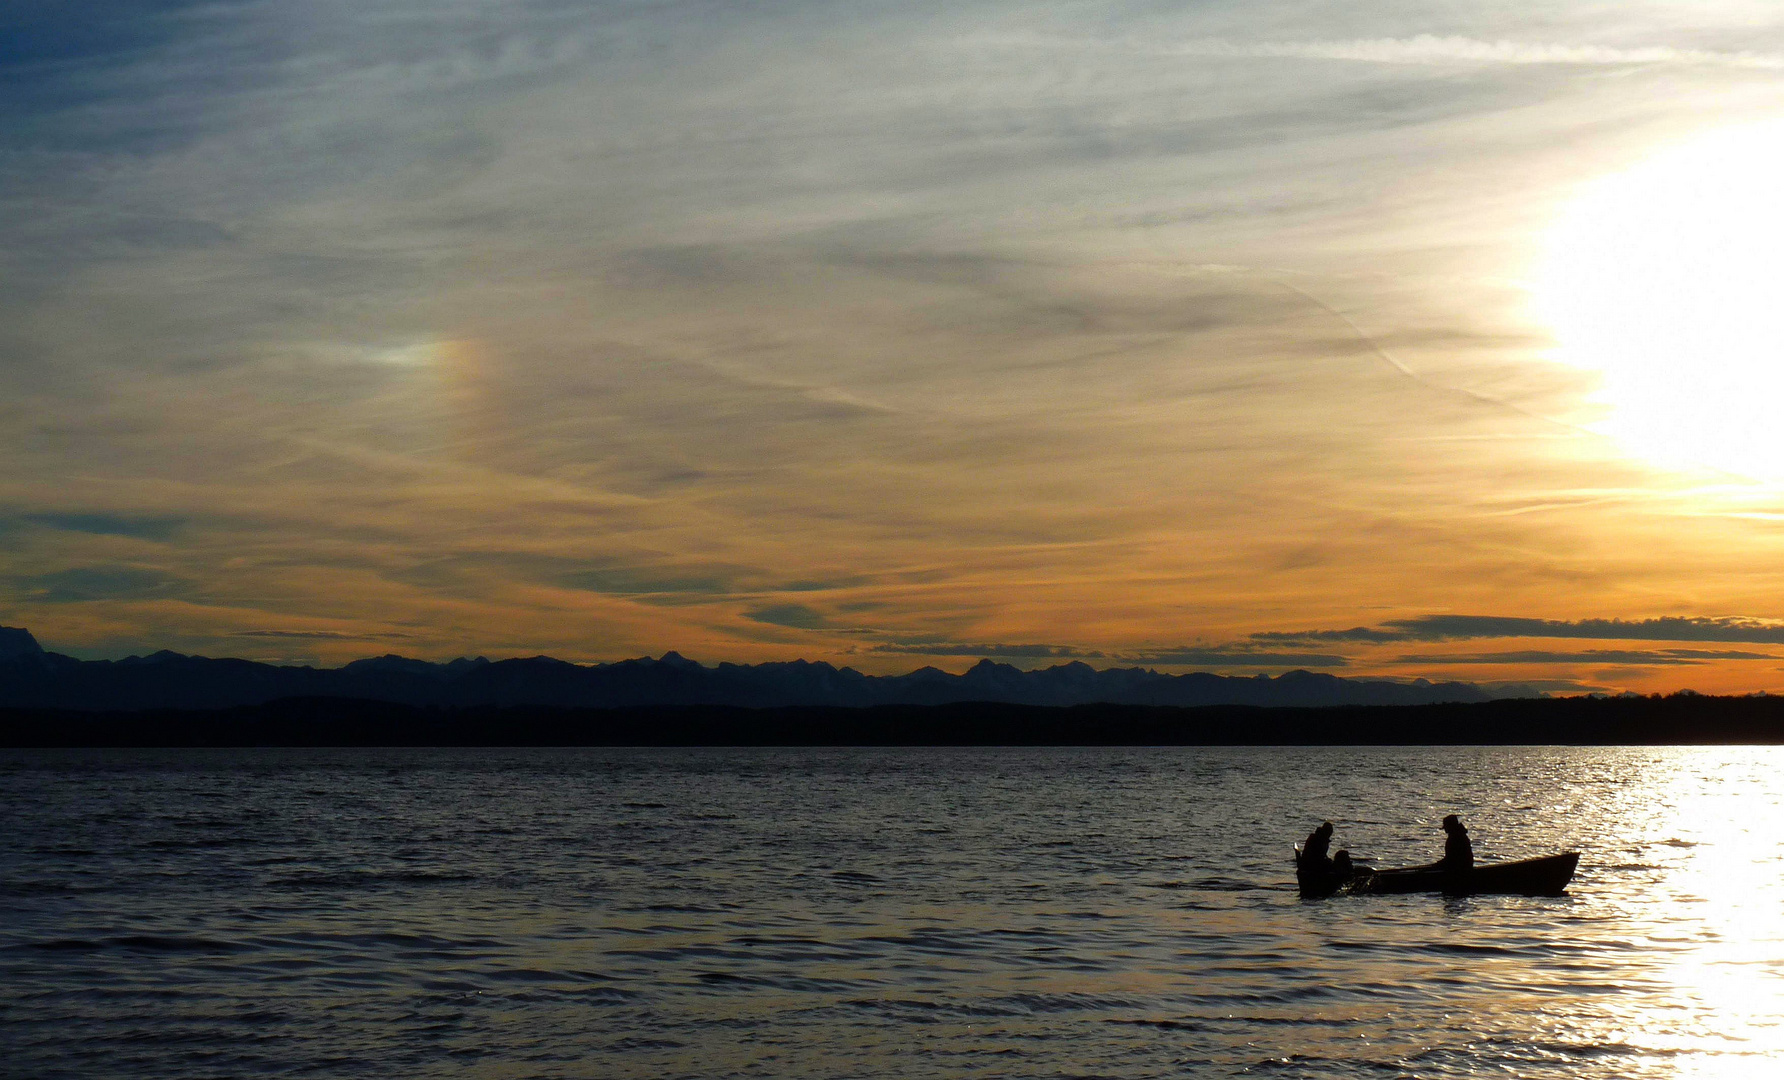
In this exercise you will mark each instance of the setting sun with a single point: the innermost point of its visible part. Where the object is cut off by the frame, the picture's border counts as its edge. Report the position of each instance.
(1664, 278)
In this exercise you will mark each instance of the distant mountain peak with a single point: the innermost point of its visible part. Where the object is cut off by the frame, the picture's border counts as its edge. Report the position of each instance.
(16, 642)
(169, 680)
(394, 662)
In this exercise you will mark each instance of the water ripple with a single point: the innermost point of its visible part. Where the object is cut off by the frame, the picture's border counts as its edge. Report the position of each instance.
(915, 913)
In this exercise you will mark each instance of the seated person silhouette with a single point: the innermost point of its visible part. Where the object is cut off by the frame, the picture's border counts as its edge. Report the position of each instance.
(1313, 853)
(1458, 855)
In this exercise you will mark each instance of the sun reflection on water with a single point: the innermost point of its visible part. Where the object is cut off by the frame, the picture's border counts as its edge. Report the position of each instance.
(1723, 1014)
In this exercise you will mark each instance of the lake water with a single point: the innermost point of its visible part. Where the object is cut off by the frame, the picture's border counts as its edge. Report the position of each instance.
(869, 913)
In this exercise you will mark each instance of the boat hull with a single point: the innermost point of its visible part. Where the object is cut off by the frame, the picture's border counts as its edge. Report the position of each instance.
(1547, 876)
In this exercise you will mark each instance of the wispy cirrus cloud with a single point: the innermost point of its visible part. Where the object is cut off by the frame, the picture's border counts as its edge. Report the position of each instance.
(1666, 657)
(1233, 657)
(1435, 49)
(317, 635)
(99, 583)
(1465, 627)
(141, 527)
(1240, 655)
(792, 616)
(938, 648)
(1355, 633)
(763, 330)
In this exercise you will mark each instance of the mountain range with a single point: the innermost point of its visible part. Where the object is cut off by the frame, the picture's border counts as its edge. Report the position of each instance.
(31, 677)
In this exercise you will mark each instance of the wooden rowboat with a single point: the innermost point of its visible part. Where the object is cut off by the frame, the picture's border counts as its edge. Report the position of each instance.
(1546, 876)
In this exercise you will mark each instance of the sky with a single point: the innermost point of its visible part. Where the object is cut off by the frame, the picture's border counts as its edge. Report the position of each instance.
(1410, 339)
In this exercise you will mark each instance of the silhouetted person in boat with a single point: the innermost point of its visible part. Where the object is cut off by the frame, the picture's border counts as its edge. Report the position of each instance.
(1318, 873)
(1458, 855)
(1313, 852)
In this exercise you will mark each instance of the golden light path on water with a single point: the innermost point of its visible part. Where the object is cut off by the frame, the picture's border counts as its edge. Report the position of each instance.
(1735, 879)
(1715, 837)
(1665, 278)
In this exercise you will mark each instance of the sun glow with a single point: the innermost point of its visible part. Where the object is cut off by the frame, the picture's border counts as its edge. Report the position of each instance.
(1668, 279)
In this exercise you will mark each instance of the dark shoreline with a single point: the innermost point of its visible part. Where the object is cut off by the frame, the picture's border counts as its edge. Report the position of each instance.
(1673, 720)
